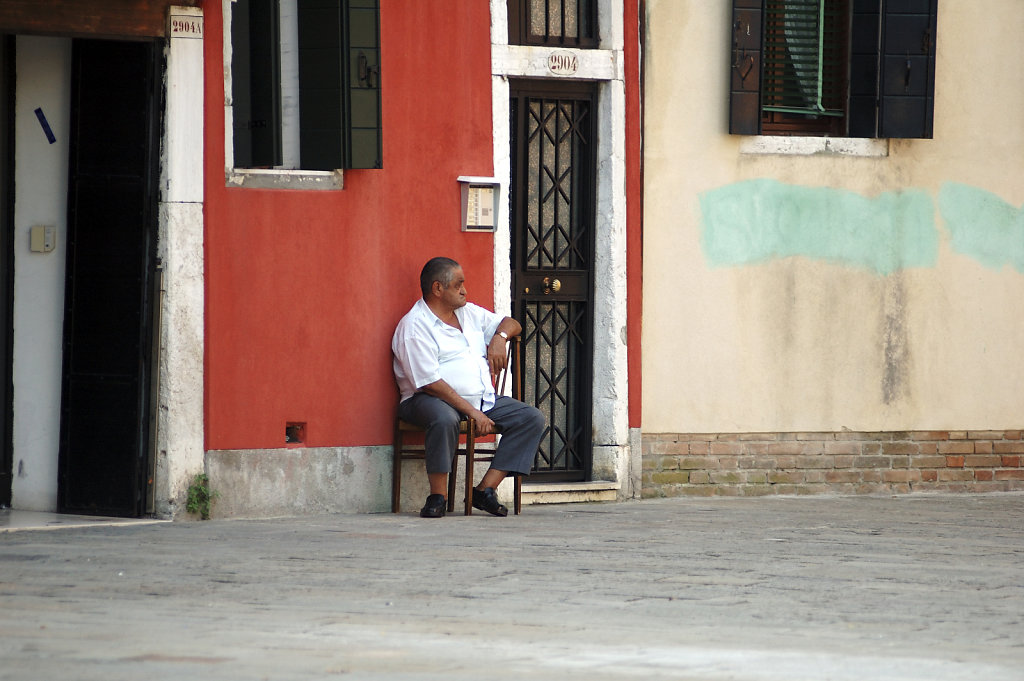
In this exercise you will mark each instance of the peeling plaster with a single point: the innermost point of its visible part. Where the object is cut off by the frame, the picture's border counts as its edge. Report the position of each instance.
(983, 226)
(760, 220)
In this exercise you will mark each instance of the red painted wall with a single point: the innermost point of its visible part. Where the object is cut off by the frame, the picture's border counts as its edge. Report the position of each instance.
(633, 11)
(303, 289)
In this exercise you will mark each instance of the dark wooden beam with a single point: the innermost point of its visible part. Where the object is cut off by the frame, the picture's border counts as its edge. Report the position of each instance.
(89, 18)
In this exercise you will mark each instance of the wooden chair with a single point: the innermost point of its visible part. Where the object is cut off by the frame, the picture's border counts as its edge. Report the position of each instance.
(404, 451)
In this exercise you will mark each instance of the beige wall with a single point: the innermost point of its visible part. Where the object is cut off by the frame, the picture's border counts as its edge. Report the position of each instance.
(40, 180)
(812, 343)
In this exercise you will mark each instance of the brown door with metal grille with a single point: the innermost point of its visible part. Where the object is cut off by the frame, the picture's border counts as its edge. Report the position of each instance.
(553, 191)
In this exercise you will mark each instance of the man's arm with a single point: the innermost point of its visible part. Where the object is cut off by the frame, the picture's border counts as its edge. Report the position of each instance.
(441, 390)
(497, 351)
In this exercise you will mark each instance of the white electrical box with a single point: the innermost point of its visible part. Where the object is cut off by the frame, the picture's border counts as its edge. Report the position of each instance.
(42, 238)
(479, 203)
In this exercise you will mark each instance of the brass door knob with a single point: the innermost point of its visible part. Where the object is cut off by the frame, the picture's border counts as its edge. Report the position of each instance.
(550, 285)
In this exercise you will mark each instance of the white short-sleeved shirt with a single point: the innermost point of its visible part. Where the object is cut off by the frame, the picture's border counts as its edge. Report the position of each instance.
(426, 349)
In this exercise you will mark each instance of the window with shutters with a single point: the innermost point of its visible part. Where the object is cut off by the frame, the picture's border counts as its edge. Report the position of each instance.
(305, 84)
(851, 68)
(553, 23)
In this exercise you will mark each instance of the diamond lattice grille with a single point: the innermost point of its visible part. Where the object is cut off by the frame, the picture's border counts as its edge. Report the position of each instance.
(554, 344)
(555, 237)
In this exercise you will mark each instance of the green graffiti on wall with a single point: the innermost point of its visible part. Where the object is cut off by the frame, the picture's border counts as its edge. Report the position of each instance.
(759, 220)
(983, 226)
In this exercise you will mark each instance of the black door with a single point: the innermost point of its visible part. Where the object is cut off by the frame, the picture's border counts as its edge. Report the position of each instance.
(110, 259)
(6, 266)
(553, 192)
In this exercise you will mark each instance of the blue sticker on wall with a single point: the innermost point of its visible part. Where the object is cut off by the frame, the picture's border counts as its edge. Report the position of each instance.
(46, 126)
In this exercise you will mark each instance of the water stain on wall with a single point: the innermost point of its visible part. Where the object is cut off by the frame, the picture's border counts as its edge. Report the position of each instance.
(896, 349)
(759, 220)
(763, 221)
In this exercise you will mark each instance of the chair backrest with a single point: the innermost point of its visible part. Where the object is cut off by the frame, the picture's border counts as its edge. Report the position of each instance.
(511, 365)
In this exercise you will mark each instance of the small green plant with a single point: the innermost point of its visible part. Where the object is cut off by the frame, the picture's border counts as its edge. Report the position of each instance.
(200, 497)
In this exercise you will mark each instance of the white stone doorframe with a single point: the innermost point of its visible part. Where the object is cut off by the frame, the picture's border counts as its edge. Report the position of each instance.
(179, 423)
(611, 446)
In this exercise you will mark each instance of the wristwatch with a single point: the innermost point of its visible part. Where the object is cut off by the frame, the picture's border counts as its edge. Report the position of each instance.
(503, 335)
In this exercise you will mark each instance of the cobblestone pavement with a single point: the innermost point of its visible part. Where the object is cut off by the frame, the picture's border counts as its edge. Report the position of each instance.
(927, 588)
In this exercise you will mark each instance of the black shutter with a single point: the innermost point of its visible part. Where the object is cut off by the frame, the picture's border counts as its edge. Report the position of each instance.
(907, 78)
(256, 83)
(321, 145)
(863, 110)
(745, 88)
(339, 84)
(363, 148)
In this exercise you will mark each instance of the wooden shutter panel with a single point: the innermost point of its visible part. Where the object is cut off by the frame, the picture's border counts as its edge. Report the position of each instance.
(907, 77)
(256, 83)
(745, 87)
(321, 138)
(363, 145)
(863, 108)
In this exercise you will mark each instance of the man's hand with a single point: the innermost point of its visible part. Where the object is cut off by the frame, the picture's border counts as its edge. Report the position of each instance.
(443, 391)
(497, 349)
(483, 425)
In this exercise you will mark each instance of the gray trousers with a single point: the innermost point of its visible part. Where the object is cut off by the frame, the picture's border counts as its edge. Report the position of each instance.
(521, 428)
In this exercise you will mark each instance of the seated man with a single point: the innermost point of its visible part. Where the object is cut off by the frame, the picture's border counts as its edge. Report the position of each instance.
(446, 355)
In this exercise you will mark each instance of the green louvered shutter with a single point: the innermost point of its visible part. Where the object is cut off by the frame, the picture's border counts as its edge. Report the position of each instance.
(745, 88)
(803, 60)
(907, 87)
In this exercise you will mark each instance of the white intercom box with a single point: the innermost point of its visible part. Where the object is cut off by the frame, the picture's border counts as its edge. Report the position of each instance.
(42, 238)
(479, 203)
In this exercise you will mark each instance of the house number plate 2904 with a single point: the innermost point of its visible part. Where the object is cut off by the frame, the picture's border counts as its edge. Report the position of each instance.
(563, 63)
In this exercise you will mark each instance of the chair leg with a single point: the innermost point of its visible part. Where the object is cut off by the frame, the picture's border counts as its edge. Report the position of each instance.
(396, 473)
(518, 494)
(470, 455)
(451, 480)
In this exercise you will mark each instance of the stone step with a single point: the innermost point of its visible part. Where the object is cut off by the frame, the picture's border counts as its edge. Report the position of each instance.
(569, 492)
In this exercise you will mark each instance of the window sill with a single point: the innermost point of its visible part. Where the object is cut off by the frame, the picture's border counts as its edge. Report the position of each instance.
(814, 146)
(251, 178)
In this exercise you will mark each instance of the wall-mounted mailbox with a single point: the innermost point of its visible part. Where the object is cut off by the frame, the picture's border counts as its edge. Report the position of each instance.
(42, 238)
(479, 203)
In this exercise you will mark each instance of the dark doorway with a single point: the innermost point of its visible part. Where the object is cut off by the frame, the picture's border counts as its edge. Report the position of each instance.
(6, 267)
(553, 206)
(112, 216)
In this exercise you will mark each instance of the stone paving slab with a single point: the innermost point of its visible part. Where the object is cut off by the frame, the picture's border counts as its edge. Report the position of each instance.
(18, 521)
(842, 588)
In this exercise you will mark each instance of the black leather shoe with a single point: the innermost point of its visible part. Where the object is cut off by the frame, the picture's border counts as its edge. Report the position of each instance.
(487, 500)
(434, 508)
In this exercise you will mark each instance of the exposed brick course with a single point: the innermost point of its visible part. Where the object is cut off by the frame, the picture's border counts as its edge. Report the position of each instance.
(957, 447)
(760, 464)
(1008, 447)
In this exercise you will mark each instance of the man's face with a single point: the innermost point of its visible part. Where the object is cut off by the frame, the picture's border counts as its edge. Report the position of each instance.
(454, 295)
